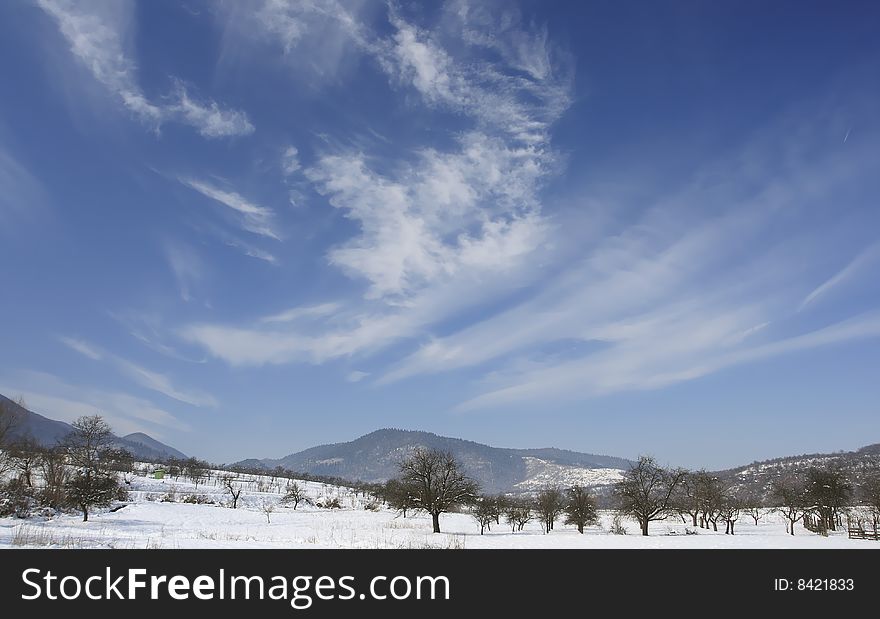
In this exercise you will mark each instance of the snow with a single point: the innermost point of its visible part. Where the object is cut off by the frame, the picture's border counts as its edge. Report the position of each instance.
(147, 522)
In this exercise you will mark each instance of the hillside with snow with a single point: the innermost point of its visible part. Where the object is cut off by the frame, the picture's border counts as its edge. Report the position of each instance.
(177, 513)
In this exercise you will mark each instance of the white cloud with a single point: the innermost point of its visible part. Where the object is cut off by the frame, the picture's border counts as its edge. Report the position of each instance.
(83, 348)
(628, 368)
(50, 396)
(474, 208)
(846, 273)
(186, 266)
(148, 379)
(296, 313)
(253, 217)
(356, 376)
(22, 197)
(99, 36)
(290, 161)
(162, 384)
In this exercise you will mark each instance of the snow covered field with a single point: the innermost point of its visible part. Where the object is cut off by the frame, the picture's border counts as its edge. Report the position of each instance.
(147, 522)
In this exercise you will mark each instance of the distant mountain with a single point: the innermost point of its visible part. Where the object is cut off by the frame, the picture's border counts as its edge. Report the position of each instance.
(49, 432)
(374, 457)
(145, 443)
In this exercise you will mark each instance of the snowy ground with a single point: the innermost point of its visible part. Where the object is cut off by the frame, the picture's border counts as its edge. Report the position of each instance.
(146, 522)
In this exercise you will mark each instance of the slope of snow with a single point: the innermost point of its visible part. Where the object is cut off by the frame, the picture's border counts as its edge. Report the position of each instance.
(542, 473)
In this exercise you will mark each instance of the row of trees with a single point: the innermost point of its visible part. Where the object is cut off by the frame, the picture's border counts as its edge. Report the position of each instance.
(819, 497)
(432, 481)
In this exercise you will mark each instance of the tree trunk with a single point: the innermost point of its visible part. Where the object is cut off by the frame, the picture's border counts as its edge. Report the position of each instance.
(714, 525)
(644, 524)
(731, 527)
(436, 520)
(791, 529)
(85, 509)
(694, 516)
(580, 528)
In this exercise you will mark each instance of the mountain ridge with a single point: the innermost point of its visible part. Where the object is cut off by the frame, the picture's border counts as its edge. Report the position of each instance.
(50, 432)
(374, 457)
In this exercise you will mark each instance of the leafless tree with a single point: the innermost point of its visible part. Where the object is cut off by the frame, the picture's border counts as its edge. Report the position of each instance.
(646, 491)
(730, 509)
(436, 483)
(687, 498)
(827, 491)
(232, 488)
(87, 446)
(869, 492)
(197, 470)
(294, 493)
(267, 506)
(483, 512)
(790, 495)
(517, 513)
(580, 509)
(8, 422)
(549, 504)
(56, 474)
(25, 454)
(398, 497)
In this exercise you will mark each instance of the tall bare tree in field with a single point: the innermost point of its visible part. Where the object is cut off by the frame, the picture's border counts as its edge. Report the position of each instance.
(435, 483)
(646, 491)
(87, 447)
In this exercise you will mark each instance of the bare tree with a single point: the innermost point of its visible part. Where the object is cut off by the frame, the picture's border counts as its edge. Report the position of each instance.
(197, 470)
(580, 509)
(483, 512)
(646, 491)
(827, 492)
(869, 492)
(687, 498)
(294, 493)
(398, 497)
(267, 507)
(753, 505)
(549, 504)
(517, 513)
(8, 422)
(25, 455)
(791, 500)
(435, 483)
(87, 447)
(234, 490)
(730, 509)
(56, 474)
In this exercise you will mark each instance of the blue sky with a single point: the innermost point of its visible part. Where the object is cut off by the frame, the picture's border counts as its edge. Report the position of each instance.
(622, 228)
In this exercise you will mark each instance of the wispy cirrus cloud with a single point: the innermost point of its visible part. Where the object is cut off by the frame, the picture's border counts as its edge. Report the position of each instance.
(186, 266)
(460, 228)
(99, 34)
(82, 347)
(144, 377)
(51, 396)
(23, 195)
(864, 258)
(252, 217)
